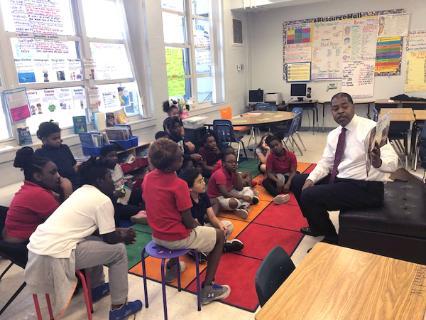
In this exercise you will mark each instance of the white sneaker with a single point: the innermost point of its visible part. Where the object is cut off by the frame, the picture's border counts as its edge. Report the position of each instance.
(281, 199)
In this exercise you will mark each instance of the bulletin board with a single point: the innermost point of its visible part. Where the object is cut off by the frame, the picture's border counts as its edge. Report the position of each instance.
(353, 48)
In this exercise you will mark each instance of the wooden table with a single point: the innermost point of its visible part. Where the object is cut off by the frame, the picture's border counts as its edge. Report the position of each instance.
(258, 118)
(334, 282)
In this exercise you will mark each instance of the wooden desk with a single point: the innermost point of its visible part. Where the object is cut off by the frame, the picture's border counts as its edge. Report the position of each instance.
(334, 282)
(258, 118)
(398, 114)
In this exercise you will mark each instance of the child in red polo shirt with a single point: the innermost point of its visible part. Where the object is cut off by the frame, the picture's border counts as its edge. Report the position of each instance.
(168, 207)
(38, 198)
(280, 169)
(226, 189)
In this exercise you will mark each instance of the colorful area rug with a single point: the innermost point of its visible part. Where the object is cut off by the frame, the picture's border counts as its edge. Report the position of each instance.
(267, 226)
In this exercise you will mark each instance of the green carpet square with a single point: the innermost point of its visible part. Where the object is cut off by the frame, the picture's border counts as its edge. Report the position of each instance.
(134, 250)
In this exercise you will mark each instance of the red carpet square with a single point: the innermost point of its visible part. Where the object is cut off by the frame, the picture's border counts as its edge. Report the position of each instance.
(238, 272)
(284, 216)
(259, 240)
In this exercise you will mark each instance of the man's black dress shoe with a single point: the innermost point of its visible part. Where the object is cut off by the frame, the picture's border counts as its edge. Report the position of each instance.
(308, 231)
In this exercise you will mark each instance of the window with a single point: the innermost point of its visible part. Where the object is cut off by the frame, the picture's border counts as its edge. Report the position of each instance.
(108, 49)
(192, 62)
(50, 43)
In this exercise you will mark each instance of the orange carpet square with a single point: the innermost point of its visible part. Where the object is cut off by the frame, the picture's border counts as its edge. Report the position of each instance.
(153, 270)
(302, 166)
(238, 227)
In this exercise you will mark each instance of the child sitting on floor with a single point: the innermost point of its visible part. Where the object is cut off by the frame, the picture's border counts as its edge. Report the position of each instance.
(176, 131)
(168, 206)
(125, 201)
(226, 189)
(53, 149)
(281, 167)
(203, 211)
(211, 155)
(262, 153)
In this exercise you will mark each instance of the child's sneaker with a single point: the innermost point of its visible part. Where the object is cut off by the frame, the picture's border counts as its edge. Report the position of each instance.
(125, 310)
(254, 200)
(139, 218)
(281, 198)
(172, 272)
(214, 292)
(100, 291)
(241, 213)
(233, 245)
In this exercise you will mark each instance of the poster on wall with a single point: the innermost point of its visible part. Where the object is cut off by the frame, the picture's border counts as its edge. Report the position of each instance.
(416, 41)
(393, 25)
(358, 78)
(298, 71)
(388, 57)
(299, 34)
(359, 39)
(327, 49)
(300, 52)
(16, 100)
(416, 71)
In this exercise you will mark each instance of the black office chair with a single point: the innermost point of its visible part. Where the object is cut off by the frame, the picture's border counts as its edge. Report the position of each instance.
(273, 271)
(16, 253)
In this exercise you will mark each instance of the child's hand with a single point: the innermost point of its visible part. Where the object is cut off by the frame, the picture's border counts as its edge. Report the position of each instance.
(128, 235)
(222, 227)
(196, 157)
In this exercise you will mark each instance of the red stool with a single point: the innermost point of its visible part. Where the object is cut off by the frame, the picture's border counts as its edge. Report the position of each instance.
(85, 282)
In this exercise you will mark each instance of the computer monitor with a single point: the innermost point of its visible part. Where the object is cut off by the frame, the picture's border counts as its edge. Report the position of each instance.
(298, 89)
(255, 96)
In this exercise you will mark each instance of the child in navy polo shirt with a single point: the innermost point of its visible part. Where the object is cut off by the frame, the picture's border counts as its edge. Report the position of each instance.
(168, 207)
(53, 149)
(281, 167)
(203, 211)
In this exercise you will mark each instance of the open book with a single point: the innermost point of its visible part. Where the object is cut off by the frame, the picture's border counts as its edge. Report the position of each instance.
(377, 136)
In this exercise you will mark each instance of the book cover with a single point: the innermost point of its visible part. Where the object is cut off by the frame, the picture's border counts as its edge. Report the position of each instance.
(24, 136)
(120, 117)
(99, 121)
(80, 124)
(110, 119)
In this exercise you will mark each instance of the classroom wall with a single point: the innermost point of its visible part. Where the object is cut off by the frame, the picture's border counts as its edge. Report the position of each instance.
(147, 46)
(265, 45)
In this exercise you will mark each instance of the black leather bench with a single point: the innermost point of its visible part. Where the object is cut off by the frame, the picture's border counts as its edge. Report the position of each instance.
(397, 230)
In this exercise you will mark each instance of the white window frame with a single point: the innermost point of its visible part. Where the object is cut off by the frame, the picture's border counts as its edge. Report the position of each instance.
(10, 76)
(215, 31)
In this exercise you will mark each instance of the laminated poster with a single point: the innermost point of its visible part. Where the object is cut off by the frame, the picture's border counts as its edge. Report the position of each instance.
(388, 56)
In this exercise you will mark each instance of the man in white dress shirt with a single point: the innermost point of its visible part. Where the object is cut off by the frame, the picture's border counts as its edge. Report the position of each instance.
(340, 181)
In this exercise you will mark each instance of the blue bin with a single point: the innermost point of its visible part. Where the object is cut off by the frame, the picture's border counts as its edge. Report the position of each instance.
(91, 151)
(126, 144)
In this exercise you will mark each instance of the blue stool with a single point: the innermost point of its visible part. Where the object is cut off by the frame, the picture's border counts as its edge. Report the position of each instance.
(156, 251)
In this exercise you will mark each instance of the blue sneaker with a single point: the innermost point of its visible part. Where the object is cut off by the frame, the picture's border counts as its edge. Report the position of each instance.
(126, 310)
(100, 291)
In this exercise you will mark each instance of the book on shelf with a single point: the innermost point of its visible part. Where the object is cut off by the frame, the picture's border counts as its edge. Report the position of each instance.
(80, 124)
(99, 121)
(118, 133)
(24, 136)
(110, 119)
(120, 116)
